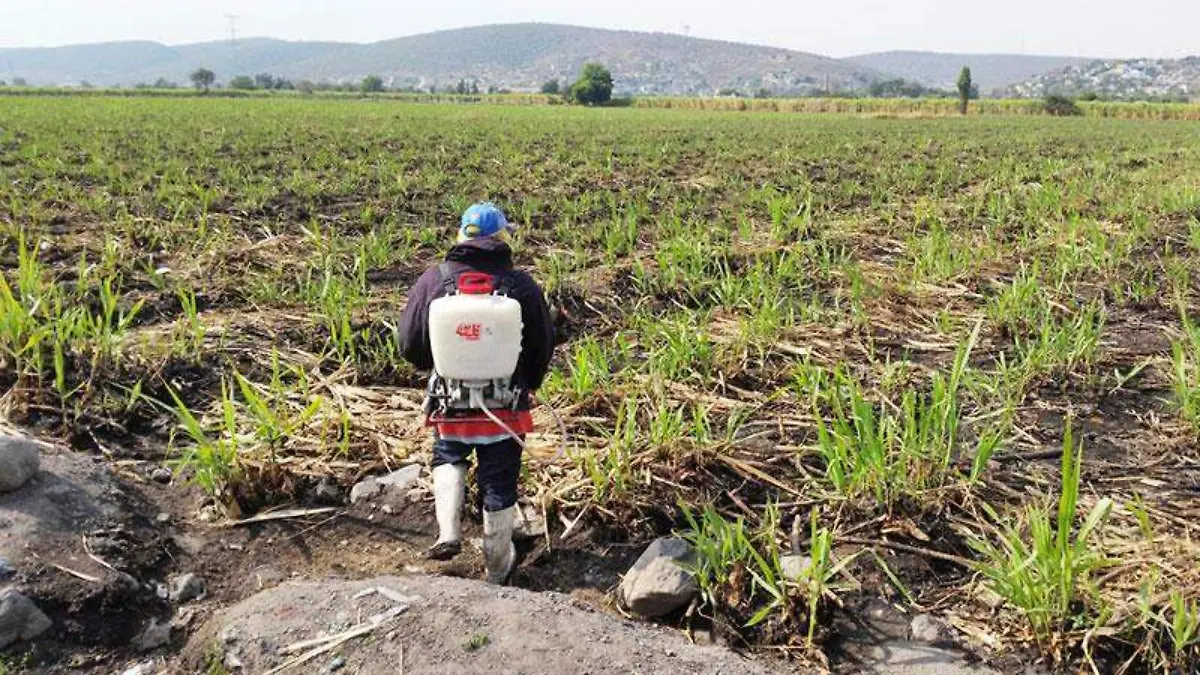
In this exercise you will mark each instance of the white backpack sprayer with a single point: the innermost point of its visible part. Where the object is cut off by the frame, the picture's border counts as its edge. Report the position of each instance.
(475, 339)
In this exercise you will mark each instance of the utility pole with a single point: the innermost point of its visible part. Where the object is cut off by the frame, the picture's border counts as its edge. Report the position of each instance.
(232, 18)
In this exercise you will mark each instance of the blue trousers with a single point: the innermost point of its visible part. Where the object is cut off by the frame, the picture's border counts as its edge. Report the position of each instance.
(498, 472)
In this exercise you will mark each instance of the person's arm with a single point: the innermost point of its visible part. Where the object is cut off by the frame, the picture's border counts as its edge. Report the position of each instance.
(537, 336)
(414, 323)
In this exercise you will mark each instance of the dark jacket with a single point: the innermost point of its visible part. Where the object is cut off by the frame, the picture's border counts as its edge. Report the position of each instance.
(493, 257)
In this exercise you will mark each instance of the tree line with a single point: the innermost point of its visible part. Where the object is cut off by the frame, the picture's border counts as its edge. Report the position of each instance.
(594, 86)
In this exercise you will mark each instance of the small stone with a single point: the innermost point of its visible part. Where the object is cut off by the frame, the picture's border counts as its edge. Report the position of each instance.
(183, 619)
(658, 584)
(161, 475)
(233, 662)
(154, 636)
(143, 668)
(209, 514)
(901, 656)
(267, 576)
(162, 518)
(530, 524)
(186, 587)
(395, 485)
(795, 567)
(927, 629)
(20, 619)
(230, 634)
(328, 493)
(337, 663)
(19, 461)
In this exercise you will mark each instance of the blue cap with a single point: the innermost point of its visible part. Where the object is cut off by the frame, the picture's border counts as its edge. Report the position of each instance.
(482, 220)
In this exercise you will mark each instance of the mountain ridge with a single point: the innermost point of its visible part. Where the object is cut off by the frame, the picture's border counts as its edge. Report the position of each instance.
(523, 56)
(519, 56)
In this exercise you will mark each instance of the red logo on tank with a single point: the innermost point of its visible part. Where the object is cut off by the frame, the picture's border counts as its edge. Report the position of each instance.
(469, 331)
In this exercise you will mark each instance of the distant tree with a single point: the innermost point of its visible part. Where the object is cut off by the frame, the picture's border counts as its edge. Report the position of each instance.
(265, 81)
(372, 83)
(242, 82)
(164, 83)
(964, 89)
(551, 87)
(1060, 106)
(85, 85)
(763, 92)
(474, 86)
(306, 86)
(433, 89)
(461, 87)
(20, 82)
(203, 78)
(900, 88)
(594, 86)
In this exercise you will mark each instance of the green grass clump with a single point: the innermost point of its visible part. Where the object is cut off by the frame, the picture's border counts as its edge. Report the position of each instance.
(1045, 564)
(901, 451)
(1185, 372)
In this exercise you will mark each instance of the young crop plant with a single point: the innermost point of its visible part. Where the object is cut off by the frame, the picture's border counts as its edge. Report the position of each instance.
(1045, 564)
(589, 371)
(1057, 346)
(213, 463)
(1023, 305)
(740, 571)
(893, 452)
(193, 328)
(611, 472)
(1185, 374)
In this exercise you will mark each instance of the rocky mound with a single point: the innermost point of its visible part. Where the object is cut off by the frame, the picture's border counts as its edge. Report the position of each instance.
(423, 624)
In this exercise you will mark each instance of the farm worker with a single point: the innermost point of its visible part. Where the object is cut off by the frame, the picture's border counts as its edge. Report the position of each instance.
(460, 426)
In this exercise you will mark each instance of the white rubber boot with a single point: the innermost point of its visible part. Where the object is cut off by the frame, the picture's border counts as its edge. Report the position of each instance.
(499, 554)
(449, 492)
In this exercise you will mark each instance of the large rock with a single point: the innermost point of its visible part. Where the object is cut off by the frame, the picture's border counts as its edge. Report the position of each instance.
(19, 461)
(658, 583)
(391, 489)
(525, 632)
(20, 619)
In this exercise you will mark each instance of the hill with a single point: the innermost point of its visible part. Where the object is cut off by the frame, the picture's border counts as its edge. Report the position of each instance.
(990, 71)
(1120, 79)
(515, 56)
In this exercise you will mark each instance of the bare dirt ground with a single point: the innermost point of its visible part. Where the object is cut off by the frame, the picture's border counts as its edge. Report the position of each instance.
(96, 547)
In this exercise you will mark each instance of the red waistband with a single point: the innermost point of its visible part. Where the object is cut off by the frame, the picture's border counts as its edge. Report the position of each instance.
(519, 421)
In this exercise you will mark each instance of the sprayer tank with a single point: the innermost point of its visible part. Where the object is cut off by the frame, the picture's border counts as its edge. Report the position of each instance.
(475, 337)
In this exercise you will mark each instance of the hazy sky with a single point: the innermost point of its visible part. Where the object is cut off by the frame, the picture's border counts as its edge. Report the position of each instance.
(1102, 28)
